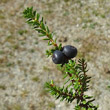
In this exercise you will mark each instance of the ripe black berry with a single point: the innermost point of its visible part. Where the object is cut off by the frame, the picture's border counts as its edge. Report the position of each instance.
(58, 57)
(69, 51)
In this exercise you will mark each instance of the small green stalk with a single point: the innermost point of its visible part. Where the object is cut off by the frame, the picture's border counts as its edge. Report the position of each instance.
(38, 24)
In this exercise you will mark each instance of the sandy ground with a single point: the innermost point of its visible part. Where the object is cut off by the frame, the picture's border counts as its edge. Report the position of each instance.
(24, 67)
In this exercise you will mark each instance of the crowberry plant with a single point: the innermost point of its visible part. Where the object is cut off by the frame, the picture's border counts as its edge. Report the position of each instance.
(77, 82)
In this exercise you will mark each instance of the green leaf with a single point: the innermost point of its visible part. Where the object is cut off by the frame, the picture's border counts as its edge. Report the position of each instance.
(84, 102)
(35, 27)
(90, 101)
(28, 19)
(87, 97)
(38, 16)
(49, 43)
(78, 100)
(66, 81)
(65, 76)
(34, 13)
(42, 19)
(83, 108)
(66, 90)
(60, 46)
(58, 97)
(62, 99)
(69, 85)
(43, 26)
(50, 36)
(41, 35)
(47, 29)
(76, 86)
(41, 31)
(46, 39)
(55, 40)
(52, 82)
(90, 109)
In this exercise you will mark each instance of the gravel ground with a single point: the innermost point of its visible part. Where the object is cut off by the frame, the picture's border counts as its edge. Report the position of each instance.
(24, 67)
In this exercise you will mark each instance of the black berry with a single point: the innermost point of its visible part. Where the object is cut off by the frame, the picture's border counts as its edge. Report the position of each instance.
(70, 51)
(58, 57)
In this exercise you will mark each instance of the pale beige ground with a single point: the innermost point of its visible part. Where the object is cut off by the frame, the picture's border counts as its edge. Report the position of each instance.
(24, 67)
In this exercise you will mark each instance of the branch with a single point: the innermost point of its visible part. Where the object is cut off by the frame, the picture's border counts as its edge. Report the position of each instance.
(58, 92)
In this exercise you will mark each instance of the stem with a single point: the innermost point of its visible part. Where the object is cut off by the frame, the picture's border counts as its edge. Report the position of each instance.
(47, 34)
(63, 93)
(77, 96)
(83, 69)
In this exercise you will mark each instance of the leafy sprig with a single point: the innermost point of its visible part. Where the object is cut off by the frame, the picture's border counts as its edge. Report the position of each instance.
(77, 80)
(62, 93)
(33, 18)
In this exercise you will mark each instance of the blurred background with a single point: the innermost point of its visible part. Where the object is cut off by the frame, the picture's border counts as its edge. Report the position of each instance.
(24, 68)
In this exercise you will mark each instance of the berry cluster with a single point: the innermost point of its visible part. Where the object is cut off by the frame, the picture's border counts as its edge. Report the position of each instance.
(67, 52)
